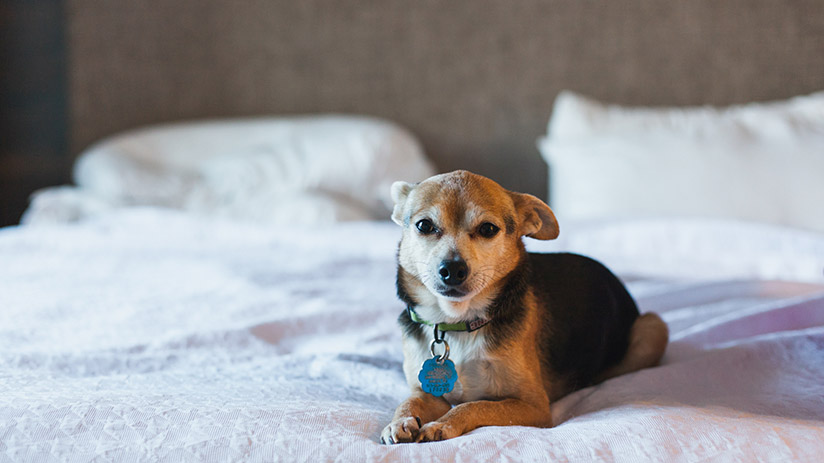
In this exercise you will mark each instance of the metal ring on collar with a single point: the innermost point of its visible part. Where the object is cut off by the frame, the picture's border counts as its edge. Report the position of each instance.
(439, 358)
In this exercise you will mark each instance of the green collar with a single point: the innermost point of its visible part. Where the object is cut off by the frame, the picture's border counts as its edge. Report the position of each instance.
(472, 325)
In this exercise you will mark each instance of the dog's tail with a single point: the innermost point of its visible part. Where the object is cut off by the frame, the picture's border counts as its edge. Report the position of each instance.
(648, 339)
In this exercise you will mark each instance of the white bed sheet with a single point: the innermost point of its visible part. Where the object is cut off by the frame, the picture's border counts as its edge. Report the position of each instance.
(147, 335)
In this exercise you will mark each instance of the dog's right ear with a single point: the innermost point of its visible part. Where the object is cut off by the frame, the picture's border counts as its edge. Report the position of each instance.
(536, 218)
(400, 191)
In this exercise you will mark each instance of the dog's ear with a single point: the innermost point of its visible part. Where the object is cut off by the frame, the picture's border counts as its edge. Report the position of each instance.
(400, 191)
(535, 218)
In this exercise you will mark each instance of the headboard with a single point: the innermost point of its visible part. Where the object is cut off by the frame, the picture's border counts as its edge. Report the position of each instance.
(473, 79)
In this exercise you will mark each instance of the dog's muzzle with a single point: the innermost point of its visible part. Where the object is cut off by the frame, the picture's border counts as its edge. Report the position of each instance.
(453, 272)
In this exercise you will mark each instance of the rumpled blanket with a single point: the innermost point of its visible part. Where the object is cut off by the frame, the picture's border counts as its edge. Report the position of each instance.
(146, 335)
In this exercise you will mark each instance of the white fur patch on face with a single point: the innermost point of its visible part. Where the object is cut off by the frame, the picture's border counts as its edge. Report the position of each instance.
(472, 215)
(437, 308)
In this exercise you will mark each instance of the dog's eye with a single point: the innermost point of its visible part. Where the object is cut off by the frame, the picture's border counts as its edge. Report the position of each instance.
(426, 227)
(488, 230)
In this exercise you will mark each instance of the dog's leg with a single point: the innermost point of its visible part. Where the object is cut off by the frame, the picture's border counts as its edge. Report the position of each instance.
(470, 415)
(647, 343)
(420, 408)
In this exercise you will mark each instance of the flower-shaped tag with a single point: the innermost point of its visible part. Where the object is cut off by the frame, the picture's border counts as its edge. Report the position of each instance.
(437, 378)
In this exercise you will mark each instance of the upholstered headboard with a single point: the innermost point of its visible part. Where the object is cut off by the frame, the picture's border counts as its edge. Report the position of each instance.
(475, 80)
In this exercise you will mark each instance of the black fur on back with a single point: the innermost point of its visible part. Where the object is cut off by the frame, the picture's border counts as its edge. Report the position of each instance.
(587, 319)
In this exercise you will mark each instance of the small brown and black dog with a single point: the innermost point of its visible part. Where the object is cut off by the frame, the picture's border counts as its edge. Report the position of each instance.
(519, 329)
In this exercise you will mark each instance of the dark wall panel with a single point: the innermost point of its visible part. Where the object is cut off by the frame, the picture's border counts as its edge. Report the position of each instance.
(33, 102)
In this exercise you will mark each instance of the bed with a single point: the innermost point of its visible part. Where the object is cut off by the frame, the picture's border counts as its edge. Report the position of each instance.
(218, 283)
(151, 335)
(160, 311)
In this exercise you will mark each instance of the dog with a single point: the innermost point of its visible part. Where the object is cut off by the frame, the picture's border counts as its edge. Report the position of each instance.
(492, 334)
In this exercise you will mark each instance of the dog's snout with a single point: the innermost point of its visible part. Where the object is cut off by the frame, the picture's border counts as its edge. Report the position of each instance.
(453, 272)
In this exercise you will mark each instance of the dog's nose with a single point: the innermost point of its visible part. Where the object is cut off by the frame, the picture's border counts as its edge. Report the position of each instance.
(453, 272)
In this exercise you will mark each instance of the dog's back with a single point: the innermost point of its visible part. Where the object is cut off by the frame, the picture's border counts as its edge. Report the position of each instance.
(593, 311)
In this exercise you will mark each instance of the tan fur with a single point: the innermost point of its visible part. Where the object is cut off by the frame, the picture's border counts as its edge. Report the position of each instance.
(647, 341)
(504, 386)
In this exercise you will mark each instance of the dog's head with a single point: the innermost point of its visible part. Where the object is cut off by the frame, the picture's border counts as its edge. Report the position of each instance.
(462, 234)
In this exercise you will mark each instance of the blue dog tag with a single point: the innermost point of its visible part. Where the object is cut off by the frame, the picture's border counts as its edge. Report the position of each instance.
(437, 378)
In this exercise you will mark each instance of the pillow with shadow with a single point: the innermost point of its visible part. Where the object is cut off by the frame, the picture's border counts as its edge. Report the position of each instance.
(762, 161)
(258, 169)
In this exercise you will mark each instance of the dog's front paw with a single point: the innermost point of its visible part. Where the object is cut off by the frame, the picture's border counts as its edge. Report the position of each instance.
(437, 431)
(402, 430)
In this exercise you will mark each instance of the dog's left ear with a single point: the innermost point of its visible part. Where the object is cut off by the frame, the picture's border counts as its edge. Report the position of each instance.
(400, 191)
(535, 218)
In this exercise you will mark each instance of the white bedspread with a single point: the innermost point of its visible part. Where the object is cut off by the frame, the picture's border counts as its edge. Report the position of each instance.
(147, 335)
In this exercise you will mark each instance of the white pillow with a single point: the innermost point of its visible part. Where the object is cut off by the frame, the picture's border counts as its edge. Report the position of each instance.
(575, 117)
(301, 208)
(761, 162)
(251, 167)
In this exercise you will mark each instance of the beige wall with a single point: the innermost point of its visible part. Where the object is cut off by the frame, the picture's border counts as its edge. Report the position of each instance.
(474, 79)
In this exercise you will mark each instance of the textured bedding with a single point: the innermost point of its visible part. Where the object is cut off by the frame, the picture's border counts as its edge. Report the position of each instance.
(152, 335)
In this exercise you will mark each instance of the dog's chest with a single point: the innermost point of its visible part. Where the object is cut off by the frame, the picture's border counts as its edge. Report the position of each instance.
(480, 374)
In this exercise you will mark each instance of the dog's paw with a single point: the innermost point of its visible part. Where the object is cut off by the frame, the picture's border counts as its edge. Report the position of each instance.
(437, 431)
(402, 430)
